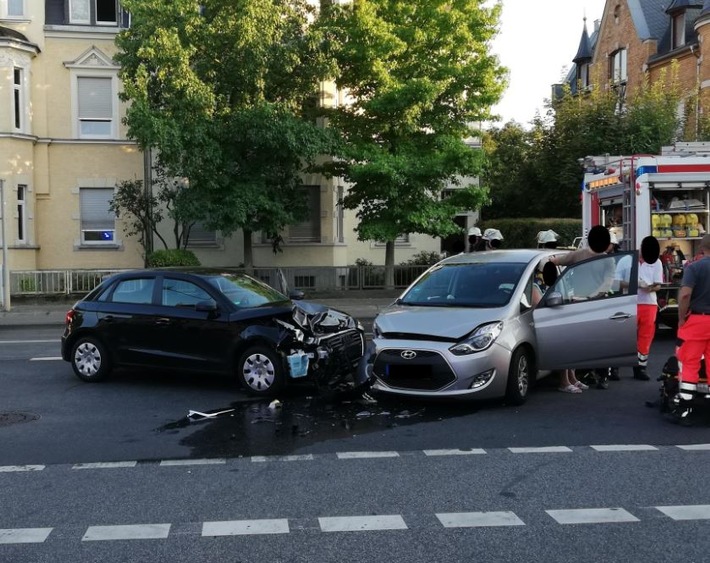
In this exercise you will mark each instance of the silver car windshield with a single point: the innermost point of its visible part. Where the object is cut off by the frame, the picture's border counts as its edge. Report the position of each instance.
(484, 284)
(245, 291)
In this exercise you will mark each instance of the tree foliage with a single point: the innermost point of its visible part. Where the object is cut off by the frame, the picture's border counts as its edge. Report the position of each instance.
(418, 73)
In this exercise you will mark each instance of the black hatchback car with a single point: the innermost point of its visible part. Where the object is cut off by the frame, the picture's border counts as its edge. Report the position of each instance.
(212, 322)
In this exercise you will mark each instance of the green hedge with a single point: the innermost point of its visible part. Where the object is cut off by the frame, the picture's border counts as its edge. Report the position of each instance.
(522, 233)
(172, 257)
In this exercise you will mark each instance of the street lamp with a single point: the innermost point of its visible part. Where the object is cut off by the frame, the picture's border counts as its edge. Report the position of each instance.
(5, 281)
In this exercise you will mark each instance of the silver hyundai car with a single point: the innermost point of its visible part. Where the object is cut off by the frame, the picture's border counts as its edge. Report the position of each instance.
(481, 325)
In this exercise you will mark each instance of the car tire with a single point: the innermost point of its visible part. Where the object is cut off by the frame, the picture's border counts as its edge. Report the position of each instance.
(260, 371)
(520, 377)
(90, 360)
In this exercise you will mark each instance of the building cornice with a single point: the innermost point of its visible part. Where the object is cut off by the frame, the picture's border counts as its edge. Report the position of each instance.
(80, 32)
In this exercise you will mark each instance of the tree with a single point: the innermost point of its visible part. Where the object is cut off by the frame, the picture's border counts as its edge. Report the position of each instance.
(220, 88)
(418, 73)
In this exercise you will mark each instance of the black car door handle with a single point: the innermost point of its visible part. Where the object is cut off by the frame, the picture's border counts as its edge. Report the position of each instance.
(162, 322)
(619, 316)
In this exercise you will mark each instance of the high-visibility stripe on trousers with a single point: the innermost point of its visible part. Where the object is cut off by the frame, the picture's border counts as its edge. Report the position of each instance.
(695, 334)
(645, 329)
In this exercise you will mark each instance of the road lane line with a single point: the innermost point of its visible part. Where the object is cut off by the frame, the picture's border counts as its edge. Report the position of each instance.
(478, 519)
(129, 532)
(690, 512)
(365, 455)
(695, 447)
(24, 535)
(46, 359)
(592, 516)
(543, 450)
(29, 341)
(474, 451)
(11, 468)
(361, 523)
(625, 448)
(265, 458)
(245, 527)
(175, 462)
(105, 465)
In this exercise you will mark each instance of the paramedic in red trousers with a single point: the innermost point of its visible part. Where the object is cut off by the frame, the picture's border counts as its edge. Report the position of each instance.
(650, 278)
(693, 329)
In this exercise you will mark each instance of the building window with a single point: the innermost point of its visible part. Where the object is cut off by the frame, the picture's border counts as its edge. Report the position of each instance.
(95, 107)
(583, 76)
(340, 210)
(98, 223)
(18, 108)
(308, 230)
(678, 30)
(94, 12)
(21, 213)
(201, 235)
(15, 8)
(617, 66)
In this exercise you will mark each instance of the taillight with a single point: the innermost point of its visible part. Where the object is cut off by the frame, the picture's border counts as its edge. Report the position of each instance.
(69, 317)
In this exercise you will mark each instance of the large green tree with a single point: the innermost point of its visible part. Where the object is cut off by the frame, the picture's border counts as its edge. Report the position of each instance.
(221, 89)
(418, 74)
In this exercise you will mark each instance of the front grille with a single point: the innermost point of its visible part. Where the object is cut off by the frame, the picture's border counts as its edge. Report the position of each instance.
(427, 372)
(349, 344)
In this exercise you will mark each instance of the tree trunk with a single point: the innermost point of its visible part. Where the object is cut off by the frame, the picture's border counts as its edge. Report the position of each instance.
(248, 253)
(389, 264)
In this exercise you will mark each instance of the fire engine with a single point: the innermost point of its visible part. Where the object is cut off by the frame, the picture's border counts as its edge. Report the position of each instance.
(666, 195)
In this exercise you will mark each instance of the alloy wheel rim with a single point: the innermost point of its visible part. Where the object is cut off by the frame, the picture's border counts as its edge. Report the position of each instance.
(87, 359)
(523, 376)
(259, 372)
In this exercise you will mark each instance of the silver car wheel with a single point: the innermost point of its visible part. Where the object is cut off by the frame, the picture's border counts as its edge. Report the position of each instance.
(258, 371)
(523, 375)
(87, 359)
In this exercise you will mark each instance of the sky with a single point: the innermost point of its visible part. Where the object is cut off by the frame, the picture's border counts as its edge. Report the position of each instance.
(546, 32)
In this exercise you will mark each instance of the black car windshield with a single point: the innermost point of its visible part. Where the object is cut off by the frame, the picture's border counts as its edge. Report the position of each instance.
(245, 291)
(480, 284)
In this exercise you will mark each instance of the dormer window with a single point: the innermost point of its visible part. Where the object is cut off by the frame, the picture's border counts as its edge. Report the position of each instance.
(677, 30)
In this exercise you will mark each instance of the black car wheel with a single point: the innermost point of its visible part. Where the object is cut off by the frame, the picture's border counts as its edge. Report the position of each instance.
(90, 359)
(260, 371)
(519, 377)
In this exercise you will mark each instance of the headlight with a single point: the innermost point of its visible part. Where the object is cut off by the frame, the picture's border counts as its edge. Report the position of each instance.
(478, 340)
(376, 332)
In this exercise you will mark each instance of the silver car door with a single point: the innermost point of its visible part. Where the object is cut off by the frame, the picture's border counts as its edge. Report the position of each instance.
(587, 319)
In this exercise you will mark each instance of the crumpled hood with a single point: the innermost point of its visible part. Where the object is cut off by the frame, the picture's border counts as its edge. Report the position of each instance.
(441, 322)
(319, 319)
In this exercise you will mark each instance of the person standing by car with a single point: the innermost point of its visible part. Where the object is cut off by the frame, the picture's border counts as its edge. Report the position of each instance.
(650, 280)
(493, 239)
(547, 239)
(474, 239)
(693, 329)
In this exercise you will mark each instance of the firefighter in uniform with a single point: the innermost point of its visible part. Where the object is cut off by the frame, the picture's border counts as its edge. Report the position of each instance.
(693, 329)
(650, 277)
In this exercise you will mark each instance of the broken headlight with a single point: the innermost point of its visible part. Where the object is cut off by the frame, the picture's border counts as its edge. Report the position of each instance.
(479, 340)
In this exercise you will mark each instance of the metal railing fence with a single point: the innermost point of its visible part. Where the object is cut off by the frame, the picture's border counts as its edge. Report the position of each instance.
(315, 278)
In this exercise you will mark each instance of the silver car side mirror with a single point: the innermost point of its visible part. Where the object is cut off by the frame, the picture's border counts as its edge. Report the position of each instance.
(554, 299)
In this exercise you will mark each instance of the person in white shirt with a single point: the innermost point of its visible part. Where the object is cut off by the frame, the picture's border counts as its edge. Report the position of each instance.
(650, 280)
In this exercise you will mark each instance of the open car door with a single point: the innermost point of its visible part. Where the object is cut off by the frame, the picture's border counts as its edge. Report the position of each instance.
(587, 318)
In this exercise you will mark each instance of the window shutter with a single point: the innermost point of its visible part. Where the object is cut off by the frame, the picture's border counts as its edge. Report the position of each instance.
(95, 212)
(309, 230)
(95, 98)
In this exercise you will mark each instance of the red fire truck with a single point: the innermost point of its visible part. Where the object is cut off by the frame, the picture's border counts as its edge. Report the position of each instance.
(666, 195)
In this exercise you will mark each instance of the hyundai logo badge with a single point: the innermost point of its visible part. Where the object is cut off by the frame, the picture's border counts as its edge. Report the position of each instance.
(408, 354)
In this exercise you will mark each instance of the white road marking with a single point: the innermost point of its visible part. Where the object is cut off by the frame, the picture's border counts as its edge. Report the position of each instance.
(11, 468)
(474, 451)
(245, 527)
(130, 532)
(24, 535)
(543, 450)
(365, 455)
(264, 458)
(478, 519)
(695, 447)
(28, 341)
(211, 461)
(105, 465)
(625, 448)
(361, 523)
(692, 512)
(46, 359)
(592, 516)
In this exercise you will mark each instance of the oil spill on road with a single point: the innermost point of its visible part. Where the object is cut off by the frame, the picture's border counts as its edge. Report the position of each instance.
(263, 427)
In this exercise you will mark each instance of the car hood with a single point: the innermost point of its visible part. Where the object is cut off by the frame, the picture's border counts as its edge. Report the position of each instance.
(319, 319)
(441, 322)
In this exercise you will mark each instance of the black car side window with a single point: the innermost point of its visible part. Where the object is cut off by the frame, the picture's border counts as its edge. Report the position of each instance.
(136, 290)
(182, 293)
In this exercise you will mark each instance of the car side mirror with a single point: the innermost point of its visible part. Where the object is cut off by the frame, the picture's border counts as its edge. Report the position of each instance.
(296, 294)
(554, 299)
(207, 306)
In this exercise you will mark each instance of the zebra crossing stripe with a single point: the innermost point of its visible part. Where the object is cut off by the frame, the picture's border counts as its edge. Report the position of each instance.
(365, 455)
(592, 516)
(691, 512)
(177, 462)
(695, 447)
(12, 468)
(478, 519)
(105, 465)
(543, 450)
(130, 532)
(473, 451)
(24, 535)
(362, 523)
(245, 527)
(625, 448)
(265, 458)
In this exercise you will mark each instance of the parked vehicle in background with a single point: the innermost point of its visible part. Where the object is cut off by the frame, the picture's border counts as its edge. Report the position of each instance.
(469, 327)
(211, 322)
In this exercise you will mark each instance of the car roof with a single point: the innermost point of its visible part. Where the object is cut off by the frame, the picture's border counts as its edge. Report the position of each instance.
(517, 255)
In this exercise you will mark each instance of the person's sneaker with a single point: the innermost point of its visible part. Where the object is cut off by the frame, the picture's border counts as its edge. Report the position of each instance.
(614, 374)
(582, 386)
(640, 373)
(682, 415)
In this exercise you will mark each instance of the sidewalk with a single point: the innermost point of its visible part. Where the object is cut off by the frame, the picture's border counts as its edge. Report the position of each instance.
(360, 304)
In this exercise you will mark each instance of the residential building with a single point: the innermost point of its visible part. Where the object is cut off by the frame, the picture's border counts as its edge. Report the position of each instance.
(63, 149)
